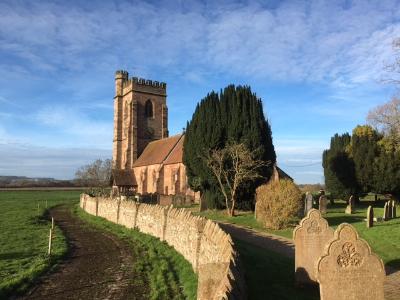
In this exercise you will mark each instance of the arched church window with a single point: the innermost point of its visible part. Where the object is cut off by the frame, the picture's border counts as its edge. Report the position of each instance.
(148, 109)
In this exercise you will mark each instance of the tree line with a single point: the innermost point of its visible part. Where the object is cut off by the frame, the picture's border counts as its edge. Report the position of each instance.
(368, 160)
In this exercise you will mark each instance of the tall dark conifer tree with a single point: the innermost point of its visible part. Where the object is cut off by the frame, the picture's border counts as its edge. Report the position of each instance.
(364, 150)
(233, 115)
(339, 171)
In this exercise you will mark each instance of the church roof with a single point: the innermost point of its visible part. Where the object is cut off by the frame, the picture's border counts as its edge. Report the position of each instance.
(159, 151)
(124, 177)
(283, 174)
(176, 155)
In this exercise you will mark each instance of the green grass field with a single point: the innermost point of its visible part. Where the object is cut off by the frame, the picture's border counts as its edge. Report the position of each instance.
(24, 243)
(384, 237)
(24, 237)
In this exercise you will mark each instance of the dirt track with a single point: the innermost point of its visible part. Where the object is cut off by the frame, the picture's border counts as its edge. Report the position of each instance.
(98, 265)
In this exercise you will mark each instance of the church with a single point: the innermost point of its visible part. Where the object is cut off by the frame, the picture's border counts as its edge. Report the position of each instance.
(145, 159)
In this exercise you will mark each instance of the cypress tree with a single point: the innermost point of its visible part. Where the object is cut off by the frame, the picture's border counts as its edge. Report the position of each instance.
(387, 171)
(233, 115)
(339, 170)
(364, 150)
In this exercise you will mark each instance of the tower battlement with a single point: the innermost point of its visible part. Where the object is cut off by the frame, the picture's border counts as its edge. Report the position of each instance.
(145, 82)
(121, 74)
(123, 77)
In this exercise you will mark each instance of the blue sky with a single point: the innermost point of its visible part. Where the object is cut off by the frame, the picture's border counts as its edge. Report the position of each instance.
(317, 65)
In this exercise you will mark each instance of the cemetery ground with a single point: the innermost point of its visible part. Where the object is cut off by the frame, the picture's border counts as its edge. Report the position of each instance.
(384, 237)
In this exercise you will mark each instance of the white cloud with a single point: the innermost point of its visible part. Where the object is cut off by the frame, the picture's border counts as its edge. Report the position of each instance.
(83, 129)
(323, 41)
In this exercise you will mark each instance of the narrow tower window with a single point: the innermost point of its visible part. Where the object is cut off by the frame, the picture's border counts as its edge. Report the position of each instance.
(148, 109)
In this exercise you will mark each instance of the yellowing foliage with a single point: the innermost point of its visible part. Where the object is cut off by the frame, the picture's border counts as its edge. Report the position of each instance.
(278, 203)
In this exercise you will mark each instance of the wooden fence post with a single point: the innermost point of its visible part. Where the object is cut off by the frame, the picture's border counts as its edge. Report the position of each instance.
(50, 240)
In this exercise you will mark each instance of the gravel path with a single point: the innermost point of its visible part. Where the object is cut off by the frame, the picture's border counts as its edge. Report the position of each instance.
(286, 247)
(98, 265)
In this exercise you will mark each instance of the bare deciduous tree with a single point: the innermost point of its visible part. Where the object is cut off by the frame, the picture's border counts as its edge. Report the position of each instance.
(386, 118)
(393, 67)
(232, 166)
(96, 174)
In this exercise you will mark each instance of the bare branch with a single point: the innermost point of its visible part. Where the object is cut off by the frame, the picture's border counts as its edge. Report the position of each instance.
(232, 166)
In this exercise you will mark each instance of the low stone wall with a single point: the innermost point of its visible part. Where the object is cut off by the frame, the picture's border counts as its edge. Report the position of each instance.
(151, 219)
(108, 209)
(202, 242)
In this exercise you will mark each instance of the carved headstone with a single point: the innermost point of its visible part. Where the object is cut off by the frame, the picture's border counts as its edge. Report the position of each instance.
(386, 212)
(348, 269)
(350, 209)
(310, 238)
(308, 203)
(394, 213)
(323, 202)
(370, 216)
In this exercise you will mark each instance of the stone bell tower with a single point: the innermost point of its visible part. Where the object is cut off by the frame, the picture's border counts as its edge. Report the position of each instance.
(140, 116)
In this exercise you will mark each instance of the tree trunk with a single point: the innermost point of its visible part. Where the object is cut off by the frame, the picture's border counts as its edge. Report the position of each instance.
(227, 206)
(232, 211)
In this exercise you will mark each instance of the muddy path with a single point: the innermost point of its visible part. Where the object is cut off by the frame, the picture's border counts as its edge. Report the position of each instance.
(98, 265)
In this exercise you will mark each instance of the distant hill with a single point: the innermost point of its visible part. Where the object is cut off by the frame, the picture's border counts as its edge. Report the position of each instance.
(23, 181)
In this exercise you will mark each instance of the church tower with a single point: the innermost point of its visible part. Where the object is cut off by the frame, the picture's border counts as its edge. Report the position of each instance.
(140, 116)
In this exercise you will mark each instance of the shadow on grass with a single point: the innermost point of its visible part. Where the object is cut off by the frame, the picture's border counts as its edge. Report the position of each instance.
(337, 220)
(394, 266)
(270, 275)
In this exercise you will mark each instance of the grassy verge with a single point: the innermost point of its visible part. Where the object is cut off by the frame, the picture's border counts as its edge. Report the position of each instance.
(167, 273)
(24, 237)
(270, 275)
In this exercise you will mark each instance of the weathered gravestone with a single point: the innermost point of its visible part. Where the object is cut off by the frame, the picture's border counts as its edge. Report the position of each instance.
(386, 212)
(351, 206)
(310, 238)
(308, 201)
(323, 202)
(370, 216)
(389, 208)
(394, 213)
(348, 269)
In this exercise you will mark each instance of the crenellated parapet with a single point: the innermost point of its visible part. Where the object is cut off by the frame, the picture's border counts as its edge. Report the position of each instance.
(145, 82)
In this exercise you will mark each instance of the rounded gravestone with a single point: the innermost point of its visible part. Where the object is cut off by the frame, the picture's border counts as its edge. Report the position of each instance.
(310, 238)
(348, 269)
(308, 201)
(323, 202)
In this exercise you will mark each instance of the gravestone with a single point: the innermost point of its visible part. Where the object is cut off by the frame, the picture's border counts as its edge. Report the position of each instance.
(386, 212)
(351, 206)
(323, 202)
(308, 202)
(394, 213)
(310, 238)
(370, 216)
(389, 208)
(348, 269)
